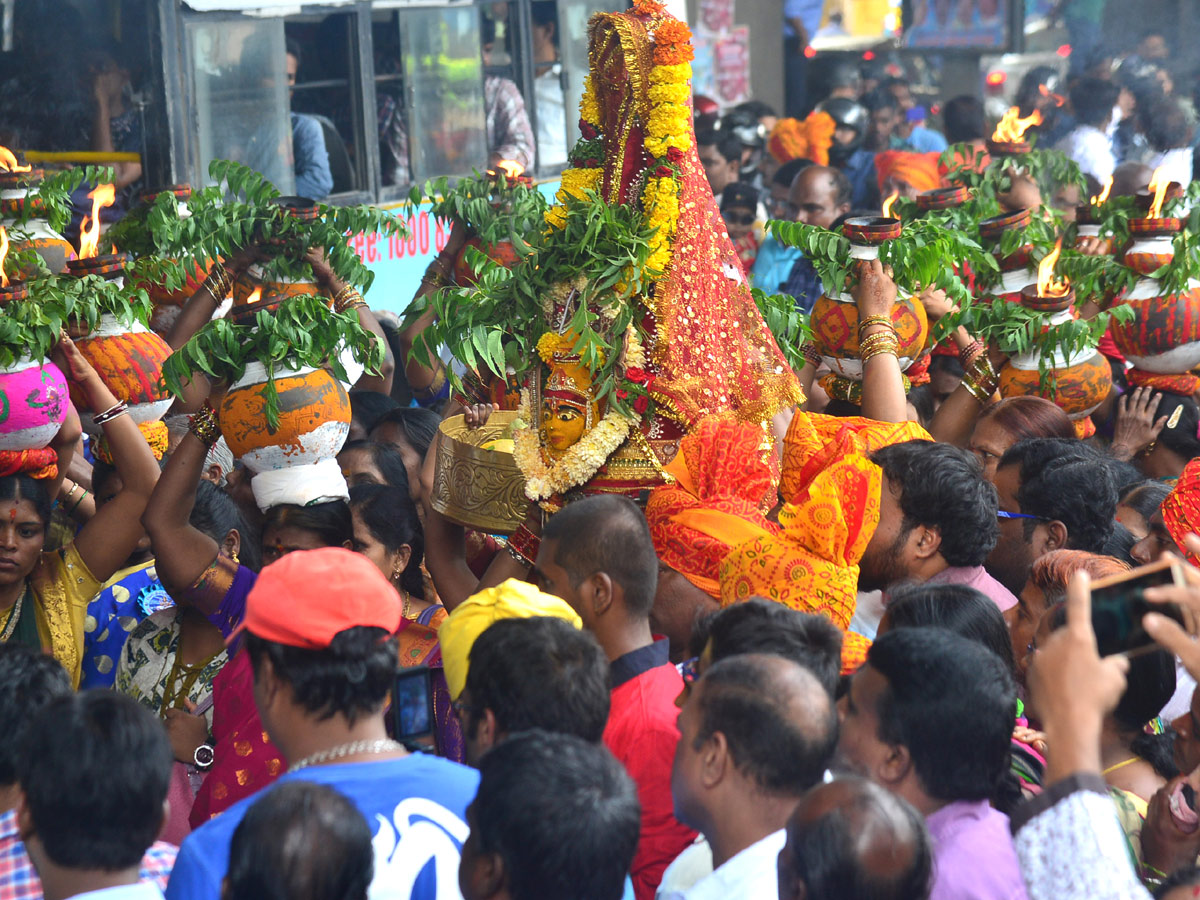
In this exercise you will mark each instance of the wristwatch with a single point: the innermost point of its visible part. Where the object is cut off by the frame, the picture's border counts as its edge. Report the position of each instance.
(203, 757)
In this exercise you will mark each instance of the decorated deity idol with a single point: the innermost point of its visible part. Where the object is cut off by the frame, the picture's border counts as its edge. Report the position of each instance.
(629, 320)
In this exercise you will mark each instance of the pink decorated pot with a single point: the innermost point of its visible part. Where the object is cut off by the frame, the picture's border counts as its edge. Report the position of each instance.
(33, 404)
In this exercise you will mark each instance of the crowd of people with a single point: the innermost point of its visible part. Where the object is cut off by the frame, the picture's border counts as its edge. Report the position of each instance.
(851, 655)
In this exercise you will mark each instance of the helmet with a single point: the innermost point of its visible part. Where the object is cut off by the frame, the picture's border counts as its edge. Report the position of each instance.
(744, 125)
(845, 114)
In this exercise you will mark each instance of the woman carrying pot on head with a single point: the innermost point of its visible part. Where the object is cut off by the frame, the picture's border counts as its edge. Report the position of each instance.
(44, 595)
(173, 657)
(196, 572)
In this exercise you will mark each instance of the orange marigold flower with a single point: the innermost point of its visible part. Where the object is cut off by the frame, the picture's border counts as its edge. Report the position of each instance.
(672, 43)
(649, 8)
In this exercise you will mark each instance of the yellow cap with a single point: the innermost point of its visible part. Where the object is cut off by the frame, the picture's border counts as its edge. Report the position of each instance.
(511, 600)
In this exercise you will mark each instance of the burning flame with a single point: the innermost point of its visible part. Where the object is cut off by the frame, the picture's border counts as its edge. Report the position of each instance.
(1103, 195)
(3, 256)
(8, 162)
(889, 202)
(1058, 99)
(1159, 184)
(89, 230)
(1011, 129)
(510, 167)
(1047, 286)
(255, 295)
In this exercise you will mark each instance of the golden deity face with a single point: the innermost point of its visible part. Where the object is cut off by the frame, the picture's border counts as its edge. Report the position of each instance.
(563, 424)
(568, 411)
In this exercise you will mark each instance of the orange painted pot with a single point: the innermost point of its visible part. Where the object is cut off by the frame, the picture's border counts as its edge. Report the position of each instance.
(834, 325)
(1078, 385)
(161, 296)
(1164, 335)
(294, 462)
(314, 418)
(129, 360)
(502, 252)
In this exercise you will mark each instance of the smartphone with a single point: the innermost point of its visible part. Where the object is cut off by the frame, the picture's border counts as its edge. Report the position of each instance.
(1119, 603)
(412, 704)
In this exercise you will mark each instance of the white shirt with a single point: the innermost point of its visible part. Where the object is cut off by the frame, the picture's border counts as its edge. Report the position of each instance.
(749, 875)
(687, 869)
(1176, 163)
(1092, 149)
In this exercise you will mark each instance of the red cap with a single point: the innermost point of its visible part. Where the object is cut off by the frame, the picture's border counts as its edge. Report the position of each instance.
(308, 596)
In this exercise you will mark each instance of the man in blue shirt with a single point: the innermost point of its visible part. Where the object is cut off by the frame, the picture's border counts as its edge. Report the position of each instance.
(320, 630)
(821, 195)
(310, 158)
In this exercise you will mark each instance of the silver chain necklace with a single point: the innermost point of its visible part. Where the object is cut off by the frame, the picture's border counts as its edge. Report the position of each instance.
(14, 616)
(344, 750)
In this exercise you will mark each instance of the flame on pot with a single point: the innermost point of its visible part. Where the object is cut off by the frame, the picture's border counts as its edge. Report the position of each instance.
(889, 202)
(1103, 195)
(511, 168)
(1159, 184)
(1058, 99)
(89, 230)
(1047, 285)
(255, 295)
(8, 162)
(1011, 128)
(3, 256)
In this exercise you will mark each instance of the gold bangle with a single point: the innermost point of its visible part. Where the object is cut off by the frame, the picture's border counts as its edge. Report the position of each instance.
(347, 298)
(892, 351)
(218, 283)
(866, 323)
(883, 342)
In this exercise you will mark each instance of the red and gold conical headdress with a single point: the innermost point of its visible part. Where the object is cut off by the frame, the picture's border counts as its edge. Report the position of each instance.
(712, 351)
(697, 344)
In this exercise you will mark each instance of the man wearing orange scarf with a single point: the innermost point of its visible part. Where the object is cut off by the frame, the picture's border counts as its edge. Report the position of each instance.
(906, 173)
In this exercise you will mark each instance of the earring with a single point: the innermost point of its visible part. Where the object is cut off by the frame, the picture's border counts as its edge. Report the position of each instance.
(233, 555)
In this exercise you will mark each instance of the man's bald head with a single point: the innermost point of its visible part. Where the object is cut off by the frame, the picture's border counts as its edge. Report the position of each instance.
(1129, 178)
(855, 840)
(820, 194)
(778, 721)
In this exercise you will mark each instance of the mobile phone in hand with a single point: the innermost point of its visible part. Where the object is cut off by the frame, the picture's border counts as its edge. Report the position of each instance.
(1119, 603)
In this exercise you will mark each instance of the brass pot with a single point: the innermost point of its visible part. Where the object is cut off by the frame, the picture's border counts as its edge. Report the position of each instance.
(476, 487)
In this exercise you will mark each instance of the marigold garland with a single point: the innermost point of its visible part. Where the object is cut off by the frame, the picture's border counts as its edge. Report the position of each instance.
(668, 137)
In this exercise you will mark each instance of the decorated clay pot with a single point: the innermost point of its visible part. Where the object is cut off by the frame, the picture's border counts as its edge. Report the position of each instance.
(834, 318)
(1152, 244)
(1007, 148)
(1015, 271)
(1087, 225)
(942, 198)
(294, 462)
(1164, 335)
(129, 360)
(33, 404)
(18, 192)
(272, 291)
(1078, 384)
(109, 266)
(16, 290)
(502, 252)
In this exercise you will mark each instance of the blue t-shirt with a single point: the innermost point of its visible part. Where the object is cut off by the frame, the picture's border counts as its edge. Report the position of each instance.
(416, 807)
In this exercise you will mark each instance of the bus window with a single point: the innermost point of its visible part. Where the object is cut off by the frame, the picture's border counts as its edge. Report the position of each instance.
(443, 90)
(326, 115)
(509, 130)
(391, 110)
(572, 49)
(548, 87)
(240, 89)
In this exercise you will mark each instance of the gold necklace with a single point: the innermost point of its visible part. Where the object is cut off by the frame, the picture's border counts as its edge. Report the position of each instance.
(404, 611)
(14, 616)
